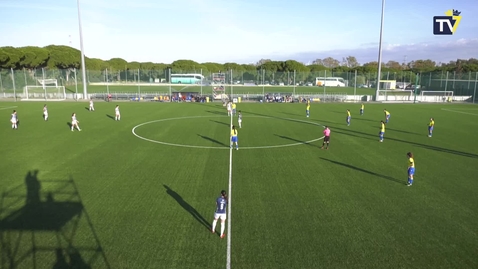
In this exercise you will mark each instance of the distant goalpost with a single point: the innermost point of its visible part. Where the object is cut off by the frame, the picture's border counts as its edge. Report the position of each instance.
(435, 96)
(49, 90)
(395, 95)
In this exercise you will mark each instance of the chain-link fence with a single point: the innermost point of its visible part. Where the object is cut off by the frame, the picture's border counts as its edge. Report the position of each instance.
(252, 82)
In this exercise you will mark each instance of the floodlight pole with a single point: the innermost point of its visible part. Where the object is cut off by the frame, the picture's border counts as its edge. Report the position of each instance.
(83, 67)
(379, 72)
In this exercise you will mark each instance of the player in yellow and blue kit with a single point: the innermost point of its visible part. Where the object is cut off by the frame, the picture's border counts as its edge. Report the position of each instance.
(234, 137)
(411, 168)
(382, 130)
(233, 109)
(307, 108)
(387, 115)
(430, 127)
(348, 117)
(361, 110)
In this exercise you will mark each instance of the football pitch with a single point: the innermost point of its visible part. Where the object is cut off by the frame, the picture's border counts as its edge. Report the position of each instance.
(140, 192)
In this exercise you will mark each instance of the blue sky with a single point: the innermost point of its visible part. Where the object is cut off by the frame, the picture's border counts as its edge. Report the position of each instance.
(241, 31)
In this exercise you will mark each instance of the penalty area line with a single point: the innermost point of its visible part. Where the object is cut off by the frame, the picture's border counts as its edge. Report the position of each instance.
(456, 111)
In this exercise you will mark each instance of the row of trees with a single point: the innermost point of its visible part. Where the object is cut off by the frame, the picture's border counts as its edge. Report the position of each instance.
(64, 57)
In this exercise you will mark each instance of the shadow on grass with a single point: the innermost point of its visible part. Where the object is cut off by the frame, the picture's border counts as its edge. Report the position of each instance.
(59, 215)
(217, 112)
(362, 119)
(293, 114)
(187, 207)
(87, 108)
(213, 140)
(405, 132)
(69, 125)
(364, 171)
(109, 116)
(294, 140)
(279, 118)
(223, 123)
(430, 147)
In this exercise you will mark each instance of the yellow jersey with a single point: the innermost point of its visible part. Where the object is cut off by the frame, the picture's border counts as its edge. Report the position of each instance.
(308, 106)
(411, 163)
(382, 127)
(387, 113)
(362, 107)
(233, 106)
(432, 123)
(348, 113)
(234, 132)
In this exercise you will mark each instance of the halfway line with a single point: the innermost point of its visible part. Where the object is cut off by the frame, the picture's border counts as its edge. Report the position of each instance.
(228, 263)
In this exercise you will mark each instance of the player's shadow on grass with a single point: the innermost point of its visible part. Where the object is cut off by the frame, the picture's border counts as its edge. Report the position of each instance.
(223, 123)
(69, 125)
(213, 140)
(295, 140)
(87, 108)
(293, 114)
(279, 118)
(364, 171)
(187, 207)
(363, 119)
(36, 226)
(401, 131)
(109, 116)
(217, 112)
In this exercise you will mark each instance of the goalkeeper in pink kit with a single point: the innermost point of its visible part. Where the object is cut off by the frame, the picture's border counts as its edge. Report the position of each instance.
(326, 138)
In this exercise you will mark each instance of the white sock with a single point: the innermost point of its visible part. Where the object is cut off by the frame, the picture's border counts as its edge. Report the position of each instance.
(46, 117)
(222, 228)
(214, 225)
(78, 127)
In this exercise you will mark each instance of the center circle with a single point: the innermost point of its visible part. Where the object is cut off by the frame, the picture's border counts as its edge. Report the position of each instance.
(223, 147)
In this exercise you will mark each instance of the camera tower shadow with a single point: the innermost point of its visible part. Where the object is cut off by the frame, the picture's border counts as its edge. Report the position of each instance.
(44, 224)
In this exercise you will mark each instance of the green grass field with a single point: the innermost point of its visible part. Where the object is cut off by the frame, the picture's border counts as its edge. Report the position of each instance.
(105, 198)
(208, 89)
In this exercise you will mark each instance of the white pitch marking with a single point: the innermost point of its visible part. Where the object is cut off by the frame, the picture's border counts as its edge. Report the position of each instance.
(223, 148)
(456, 111)
(7, 107)
(228, 262)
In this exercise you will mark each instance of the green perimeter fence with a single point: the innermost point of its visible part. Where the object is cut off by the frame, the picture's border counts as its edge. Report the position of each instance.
(141, 80)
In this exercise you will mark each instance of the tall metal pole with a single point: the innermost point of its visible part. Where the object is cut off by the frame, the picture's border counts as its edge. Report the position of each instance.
(83, 66)
(107, 82)
(355, 84)
(379, 72)
(76, 87)
(14, 88)
(201, 81)
(474, 91)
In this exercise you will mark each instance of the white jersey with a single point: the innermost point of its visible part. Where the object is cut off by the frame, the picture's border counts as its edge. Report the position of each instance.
(45, 111)
(73, 120)
(117, 111)
(239, 118)
(228, 106)
(91, 103)
(14, 118)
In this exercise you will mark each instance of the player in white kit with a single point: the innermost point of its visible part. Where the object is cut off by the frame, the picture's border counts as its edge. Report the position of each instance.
(229, 108)
(14, 120)
(45, 112)
(74, 122)
(117, 113)
(239, 119)
(92, 108)
(220, 213)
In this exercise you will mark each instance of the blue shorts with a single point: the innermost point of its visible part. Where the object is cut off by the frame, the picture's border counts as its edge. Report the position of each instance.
(388, 116)
(411, 171)
(234, 139)
(380, 133)
(430, 128)
(348, 118)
